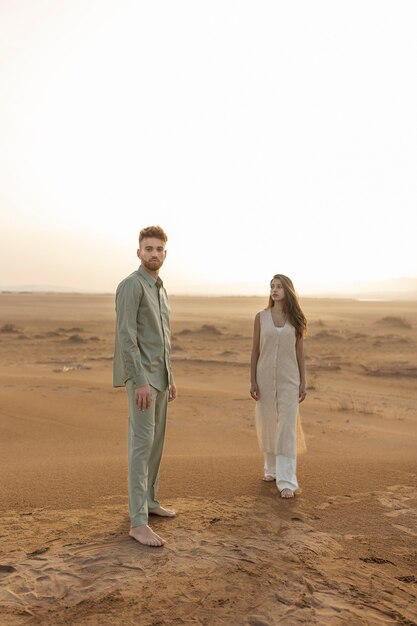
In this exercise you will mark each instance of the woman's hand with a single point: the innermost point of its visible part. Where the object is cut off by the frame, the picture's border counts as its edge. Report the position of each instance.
(302, 392)
(254, 391)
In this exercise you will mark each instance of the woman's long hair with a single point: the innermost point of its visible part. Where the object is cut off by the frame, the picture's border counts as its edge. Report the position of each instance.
(291, 308)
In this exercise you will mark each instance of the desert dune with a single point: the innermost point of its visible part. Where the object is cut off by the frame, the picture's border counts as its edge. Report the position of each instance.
(344, 551)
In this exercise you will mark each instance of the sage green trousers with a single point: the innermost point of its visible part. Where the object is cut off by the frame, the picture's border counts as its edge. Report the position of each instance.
(146, 434)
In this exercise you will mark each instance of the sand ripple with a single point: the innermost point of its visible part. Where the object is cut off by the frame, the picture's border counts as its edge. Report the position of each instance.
(226, 562)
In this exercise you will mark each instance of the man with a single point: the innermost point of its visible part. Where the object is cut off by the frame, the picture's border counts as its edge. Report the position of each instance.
(142, 364)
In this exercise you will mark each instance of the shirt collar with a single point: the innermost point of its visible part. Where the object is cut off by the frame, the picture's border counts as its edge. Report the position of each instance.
(150, 279)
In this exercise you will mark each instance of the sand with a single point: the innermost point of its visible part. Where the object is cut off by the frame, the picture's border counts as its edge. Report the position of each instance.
(344, 551)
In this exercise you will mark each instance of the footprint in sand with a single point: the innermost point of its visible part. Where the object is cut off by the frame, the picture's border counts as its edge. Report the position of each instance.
(402, 502)
(406, 530)
(345, 499)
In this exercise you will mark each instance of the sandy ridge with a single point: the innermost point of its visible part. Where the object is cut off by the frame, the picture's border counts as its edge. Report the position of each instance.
(248, 566)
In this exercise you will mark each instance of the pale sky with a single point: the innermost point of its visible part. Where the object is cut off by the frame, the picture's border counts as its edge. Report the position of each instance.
(264, 136)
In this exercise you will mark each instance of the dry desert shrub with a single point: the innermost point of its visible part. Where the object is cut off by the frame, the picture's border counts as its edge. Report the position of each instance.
(210, 329)
(76, 339)
(391, 339)
(358, 336)
(391, 369)
(75, 329)
(326, 335)
(9, 328)
(392, 321)
(207, 329)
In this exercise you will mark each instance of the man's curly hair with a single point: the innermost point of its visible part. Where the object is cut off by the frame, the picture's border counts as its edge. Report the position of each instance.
(153, 231)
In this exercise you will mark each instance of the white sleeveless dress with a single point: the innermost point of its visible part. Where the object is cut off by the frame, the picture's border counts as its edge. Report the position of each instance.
(278, 423)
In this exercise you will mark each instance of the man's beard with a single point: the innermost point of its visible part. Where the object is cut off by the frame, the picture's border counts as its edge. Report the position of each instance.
(153, 265)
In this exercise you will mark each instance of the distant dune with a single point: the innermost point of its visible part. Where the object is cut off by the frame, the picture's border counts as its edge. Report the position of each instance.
(396, 289)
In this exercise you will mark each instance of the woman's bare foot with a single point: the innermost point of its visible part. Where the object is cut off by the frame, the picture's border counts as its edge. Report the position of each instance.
(159, 510)
(287, 493)
(268, 478)
(146, 536)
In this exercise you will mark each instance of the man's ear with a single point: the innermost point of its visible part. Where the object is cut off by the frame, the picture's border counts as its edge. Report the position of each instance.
(138, 253)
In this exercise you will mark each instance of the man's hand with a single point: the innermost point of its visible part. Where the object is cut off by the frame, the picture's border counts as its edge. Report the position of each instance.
(172, 393)
(143, 397)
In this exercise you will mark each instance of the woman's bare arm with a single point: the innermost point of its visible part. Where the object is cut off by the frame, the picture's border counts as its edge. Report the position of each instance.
(299, 349)
(254, 392)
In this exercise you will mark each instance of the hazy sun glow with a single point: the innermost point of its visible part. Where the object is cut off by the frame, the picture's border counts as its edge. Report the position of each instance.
(263, 136)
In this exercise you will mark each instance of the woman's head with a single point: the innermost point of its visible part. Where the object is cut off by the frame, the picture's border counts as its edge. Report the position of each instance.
(282, 291)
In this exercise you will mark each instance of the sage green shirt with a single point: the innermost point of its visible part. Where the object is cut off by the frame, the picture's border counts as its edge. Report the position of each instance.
(142, 342)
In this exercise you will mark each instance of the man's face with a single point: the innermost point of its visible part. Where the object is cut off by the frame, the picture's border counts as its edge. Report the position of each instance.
(152, 253)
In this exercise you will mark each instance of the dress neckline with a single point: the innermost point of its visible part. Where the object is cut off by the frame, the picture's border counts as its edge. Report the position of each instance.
(272, 320)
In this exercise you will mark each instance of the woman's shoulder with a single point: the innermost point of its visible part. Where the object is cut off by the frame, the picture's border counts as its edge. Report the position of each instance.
(261, 316)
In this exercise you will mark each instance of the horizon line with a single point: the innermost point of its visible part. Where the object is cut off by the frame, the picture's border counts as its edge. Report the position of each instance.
(370, 296)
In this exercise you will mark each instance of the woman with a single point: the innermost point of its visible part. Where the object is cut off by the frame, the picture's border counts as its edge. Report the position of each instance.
(278, 383)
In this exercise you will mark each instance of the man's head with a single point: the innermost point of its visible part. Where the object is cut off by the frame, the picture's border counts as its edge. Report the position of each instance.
(151, 252)
(154, 232)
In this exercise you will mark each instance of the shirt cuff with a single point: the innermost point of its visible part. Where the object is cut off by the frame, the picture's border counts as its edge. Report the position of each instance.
(139, 381)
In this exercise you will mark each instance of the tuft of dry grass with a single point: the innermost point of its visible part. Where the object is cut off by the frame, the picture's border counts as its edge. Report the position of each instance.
(347, 405)
(365, 409)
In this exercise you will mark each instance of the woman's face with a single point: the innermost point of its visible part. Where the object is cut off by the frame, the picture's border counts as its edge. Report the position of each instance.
(277, 290)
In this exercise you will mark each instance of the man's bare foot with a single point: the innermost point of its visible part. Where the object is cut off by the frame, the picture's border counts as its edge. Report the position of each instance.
(268, 478)
(159, 510)
(287, 493)
(146, 536)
